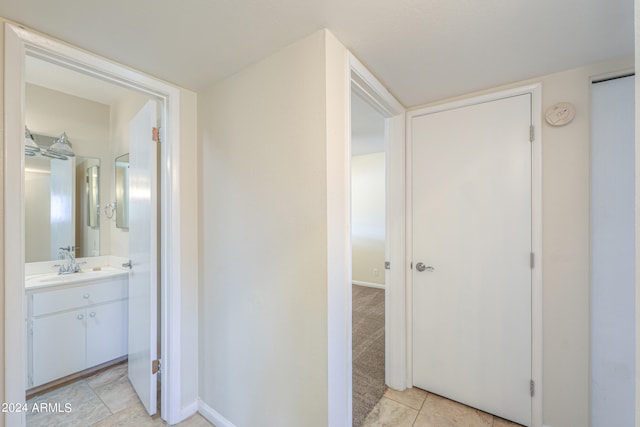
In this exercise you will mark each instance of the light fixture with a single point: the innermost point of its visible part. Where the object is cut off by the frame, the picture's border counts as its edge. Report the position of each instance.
(60, 149)
(30, 146)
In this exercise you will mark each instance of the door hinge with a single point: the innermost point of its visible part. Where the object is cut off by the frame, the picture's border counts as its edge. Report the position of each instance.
(531, 133)
(411, 265)
(531, 260)
(155, 366)
(532, 387)
(387, 265)
(155, 133)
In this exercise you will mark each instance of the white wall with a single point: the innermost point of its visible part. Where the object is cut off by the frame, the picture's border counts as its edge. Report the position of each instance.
(189, 265)
(267, 138)
(368, 217)
(566, 242)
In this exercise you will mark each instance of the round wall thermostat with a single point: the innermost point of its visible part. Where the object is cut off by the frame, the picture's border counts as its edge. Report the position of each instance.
(560, 114)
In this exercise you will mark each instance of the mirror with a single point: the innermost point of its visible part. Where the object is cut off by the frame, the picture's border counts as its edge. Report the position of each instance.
(49, 216)
(122, 191)
(62, 199)
(93, 196)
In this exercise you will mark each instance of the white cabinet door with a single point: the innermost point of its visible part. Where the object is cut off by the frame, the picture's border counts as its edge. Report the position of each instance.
(106, 332)
(58, 346)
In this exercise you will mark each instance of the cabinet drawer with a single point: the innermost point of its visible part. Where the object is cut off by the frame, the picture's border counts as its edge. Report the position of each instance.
(78, 296)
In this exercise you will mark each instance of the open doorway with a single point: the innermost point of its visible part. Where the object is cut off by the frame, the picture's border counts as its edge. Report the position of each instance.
(22, 45)
(379, 181)
(368, 246)
(81, 229)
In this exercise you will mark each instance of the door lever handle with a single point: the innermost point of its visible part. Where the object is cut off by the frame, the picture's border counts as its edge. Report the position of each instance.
(421, 267)
(127, 264)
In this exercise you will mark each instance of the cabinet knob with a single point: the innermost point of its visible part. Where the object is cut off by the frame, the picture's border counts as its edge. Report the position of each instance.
(85, 296)
(92, 314)
(80, 316)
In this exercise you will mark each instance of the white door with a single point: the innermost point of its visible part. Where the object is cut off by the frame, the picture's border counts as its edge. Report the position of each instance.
(613, 253)
(143, 239)
(472, 241)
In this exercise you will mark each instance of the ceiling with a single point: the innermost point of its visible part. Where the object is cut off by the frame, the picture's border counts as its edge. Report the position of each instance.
(422, 50)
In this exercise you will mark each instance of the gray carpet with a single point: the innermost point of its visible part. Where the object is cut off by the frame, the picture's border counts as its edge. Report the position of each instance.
(368, 350)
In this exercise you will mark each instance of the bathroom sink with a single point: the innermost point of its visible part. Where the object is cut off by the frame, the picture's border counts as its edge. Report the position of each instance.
(48, 279)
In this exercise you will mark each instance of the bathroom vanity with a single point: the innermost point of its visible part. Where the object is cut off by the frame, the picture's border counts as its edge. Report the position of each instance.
(75, 322)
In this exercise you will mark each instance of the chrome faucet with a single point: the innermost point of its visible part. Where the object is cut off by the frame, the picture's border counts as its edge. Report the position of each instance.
(71, 266)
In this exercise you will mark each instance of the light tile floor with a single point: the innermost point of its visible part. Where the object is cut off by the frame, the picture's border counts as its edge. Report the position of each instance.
(417, 408)
(106, 399)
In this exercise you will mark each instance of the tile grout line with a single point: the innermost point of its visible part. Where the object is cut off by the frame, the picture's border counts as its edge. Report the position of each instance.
(404, 404)
(105, 405)
(102, 400)
(420, 410)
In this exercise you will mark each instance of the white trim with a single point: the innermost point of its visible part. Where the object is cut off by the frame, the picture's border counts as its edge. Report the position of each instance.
(366, 85)
(190, 410)
(368, 284)
(536, 230)
(19, 41)
(213, 416)
(536, 243)
(15, 327)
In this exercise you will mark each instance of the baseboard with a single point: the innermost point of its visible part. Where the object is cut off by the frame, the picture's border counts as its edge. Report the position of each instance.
(189, 410)
(212, 415)
(367, 284)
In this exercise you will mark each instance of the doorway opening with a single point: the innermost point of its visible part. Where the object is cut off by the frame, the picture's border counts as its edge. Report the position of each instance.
(368, 247)
(376, 256)
(101, 248)
(81, 229)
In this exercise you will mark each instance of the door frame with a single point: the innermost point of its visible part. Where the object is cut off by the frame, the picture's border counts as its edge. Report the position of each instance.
(536, 228)
(371, 90)
(18, 42)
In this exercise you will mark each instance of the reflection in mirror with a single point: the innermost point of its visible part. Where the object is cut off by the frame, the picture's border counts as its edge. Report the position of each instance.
(93, 196)
(88, 207)
(122, 191)
(56, 200)
(49, 214)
